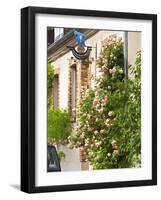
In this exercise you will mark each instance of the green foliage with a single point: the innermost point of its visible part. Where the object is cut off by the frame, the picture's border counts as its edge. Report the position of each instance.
(109, 127)
(49, 82)
(59, 125)
(61, 155)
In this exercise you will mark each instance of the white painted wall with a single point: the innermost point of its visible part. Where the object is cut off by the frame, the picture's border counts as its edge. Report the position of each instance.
(134, 45)
(71, 162)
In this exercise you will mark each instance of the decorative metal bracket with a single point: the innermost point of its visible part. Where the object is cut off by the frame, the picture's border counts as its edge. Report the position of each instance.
(81, 53)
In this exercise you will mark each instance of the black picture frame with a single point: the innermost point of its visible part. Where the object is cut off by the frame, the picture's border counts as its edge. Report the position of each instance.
(28, 98)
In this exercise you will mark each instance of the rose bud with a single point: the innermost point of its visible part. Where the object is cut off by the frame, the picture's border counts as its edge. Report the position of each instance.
(110, 71)
(121, 71)
(109, 87)
(107, 125)
(109, 154)
(110, 113)
(113, 142)
(107, 120)
(89, 129)
(116, 152)
(114, 70)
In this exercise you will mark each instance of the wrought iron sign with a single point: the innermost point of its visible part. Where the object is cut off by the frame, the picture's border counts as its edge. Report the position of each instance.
(81, 52)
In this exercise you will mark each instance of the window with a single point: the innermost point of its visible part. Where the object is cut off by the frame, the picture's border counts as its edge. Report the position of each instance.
(58, 33)
(50, 36)
(54, 34)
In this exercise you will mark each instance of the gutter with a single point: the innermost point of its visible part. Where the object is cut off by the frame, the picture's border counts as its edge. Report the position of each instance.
(59, 48)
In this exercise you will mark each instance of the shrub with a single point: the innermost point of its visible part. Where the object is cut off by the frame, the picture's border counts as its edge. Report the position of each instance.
(50, 78)
(59, 125)
(109, 127)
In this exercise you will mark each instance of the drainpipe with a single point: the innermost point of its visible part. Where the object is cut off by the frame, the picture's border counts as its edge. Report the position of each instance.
(125, 50)
(95, 60)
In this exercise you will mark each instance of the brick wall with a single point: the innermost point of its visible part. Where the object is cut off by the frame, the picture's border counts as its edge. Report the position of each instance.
(82, 83)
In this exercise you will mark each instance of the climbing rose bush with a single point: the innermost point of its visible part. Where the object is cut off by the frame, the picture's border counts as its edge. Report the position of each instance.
(109, 122)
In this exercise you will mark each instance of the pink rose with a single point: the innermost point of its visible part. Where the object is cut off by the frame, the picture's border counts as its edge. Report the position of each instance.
(100, 110)
(101, 80)
(89, 129)
(121, 71)
(86, 141)
(82, 135)
(119, 39)
(107, 120)
(110, 113)
(109, 154)
(95, 132)
(110, 71)
(114, 69)
(98, 105)
(102, 131)
(116, 152)
(106, 98)
(114, 35)
(109, 87)
(93, 138)
(107, 125)
(113, 142)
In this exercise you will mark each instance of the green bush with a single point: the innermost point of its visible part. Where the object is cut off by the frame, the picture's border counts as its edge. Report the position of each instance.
(50, 78)
(61, 155)
(109, 127)
(59, 125)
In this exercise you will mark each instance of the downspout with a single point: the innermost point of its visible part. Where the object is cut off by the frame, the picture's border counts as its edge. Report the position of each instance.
(125, 51)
